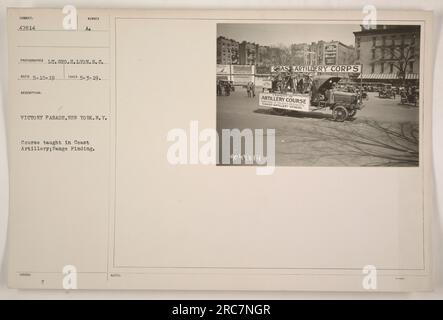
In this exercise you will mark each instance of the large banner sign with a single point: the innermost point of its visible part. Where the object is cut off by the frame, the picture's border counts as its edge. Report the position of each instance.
(225, 77)
(223, 69)
(342, 68)
(242, 79)
(280, 68)
(262, 69)
(242, 69)
(330, 54)
(298, 102)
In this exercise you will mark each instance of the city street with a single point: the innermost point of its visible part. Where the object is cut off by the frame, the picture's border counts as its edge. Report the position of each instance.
(384, 133)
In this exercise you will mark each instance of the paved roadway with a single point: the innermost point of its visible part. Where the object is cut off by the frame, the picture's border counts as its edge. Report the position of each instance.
(384, 133)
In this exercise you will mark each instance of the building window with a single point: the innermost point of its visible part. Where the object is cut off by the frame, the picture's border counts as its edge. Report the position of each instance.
(382, 68)
(388, 42)
(391, 68)
(411, 66)
(373, 53)
(373, 68)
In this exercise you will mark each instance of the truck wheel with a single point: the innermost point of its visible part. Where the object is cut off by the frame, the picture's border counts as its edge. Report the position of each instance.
(339, 113)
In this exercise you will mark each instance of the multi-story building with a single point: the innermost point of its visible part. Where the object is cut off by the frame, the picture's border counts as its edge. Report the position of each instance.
(248, 53)
(389, 52)
(336, 52)
(317, 48)
(321, 52)
(310, 58)
(268, 56)
(227, 51)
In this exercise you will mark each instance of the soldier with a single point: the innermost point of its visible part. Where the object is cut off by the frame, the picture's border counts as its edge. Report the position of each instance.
(300, 85)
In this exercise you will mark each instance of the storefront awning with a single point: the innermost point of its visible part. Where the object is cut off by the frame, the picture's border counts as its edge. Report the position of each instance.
(387, 76)
(412, 76)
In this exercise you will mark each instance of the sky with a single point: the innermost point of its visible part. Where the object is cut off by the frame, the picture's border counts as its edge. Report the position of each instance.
(287, 34)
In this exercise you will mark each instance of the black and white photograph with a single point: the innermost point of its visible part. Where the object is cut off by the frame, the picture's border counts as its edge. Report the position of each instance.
(238, 153)
(329, 94)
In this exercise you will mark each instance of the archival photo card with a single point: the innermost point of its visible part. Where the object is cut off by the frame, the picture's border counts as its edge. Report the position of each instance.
(318, 94)
(304, 163)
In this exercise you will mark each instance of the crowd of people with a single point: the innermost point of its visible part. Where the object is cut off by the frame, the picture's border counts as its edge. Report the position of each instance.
(287, 82)
(304, 84)
(281, 82)
(224, 87)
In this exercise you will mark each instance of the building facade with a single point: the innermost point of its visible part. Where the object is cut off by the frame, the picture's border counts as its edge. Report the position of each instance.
(321, 53)
(336, 52)
(230, 51)
(305, 54)
(389, 52)
(318, 49)
(248, 53)
(227, 51)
